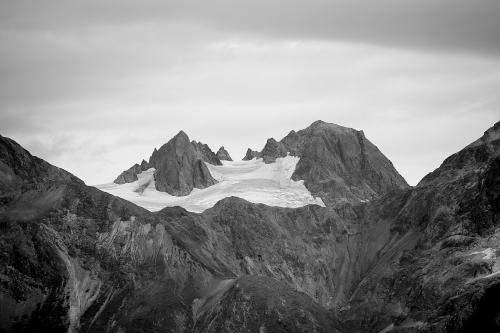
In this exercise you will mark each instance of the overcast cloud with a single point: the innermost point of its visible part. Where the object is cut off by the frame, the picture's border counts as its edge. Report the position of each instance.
(94, 86)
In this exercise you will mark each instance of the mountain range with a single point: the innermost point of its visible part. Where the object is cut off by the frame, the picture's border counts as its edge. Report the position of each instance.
(340, 242)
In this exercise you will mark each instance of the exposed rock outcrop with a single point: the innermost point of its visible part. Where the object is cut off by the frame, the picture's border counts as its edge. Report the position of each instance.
(336, 163)
(130, 175)
(223, 154)
(251, 154)
(206, 154)
(272, 150)
(180, 166)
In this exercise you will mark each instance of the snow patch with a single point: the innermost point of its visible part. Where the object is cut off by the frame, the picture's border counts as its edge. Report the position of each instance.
(253, 180)
(488, 253)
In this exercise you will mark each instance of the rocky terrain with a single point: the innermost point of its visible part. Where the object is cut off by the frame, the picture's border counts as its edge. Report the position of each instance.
(422, 259)
(251, 154)
(207, 155)
(130, 175)
(338, 164)
(223, 155)
(179, 166)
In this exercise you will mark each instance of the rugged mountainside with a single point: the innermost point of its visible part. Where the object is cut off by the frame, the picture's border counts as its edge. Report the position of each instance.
(446, 276)
(179, 166)
(73, 258)
(223, 154)
(76, 259)
(336, 163)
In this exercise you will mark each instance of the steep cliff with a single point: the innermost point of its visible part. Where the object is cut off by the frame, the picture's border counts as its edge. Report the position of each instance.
(180, 166)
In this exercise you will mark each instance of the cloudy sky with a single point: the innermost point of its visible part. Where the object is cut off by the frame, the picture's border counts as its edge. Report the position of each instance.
(93, 86)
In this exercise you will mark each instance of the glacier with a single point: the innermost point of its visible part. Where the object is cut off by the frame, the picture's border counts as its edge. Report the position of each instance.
(253, 180)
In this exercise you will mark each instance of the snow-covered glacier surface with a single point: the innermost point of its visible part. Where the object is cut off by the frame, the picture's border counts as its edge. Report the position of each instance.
(253, 180)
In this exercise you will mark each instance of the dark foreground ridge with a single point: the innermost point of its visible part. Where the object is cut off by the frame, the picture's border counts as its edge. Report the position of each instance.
(73, 258)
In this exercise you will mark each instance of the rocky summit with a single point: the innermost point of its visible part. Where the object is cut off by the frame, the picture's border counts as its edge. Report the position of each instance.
(338, 164)
(223, 154)
(421, 259)
(179, 166)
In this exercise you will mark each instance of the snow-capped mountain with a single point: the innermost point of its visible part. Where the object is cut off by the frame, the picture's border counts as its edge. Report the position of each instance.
(324, 163)
(253, 180)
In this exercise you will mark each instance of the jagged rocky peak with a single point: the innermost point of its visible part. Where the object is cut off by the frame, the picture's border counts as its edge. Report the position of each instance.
(130, 175)
(223, 154)
(337, 163)
(251, 154)
(144, 165)
(272, 150)
(180, 166)
(206, 153)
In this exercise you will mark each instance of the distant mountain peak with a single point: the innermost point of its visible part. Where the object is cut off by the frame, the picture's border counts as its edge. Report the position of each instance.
(336, 163)
(181, 135)
(223, 154)
(179, 166)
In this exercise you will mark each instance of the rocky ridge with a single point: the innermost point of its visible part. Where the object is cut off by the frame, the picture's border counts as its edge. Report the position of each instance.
(415, 259)
(251, 154)
(206, 154)
(338, 164)
(179, 166)
(223, 154)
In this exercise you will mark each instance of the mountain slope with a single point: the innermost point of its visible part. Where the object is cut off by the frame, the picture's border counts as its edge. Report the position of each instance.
(447, 280)
(73, 258)
(336, 163)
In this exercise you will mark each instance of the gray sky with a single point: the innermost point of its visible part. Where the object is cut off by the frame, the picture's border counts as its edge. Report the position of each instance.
(94, 86)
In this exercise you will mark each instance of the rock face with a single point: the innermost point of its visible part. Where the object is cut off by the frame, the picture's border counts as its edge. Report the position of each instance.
(223, 154)
(179, 166)
(130, 175)
(273, 150)
(423, 259)
(336, 163)
(206, 154)
(251, 154)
